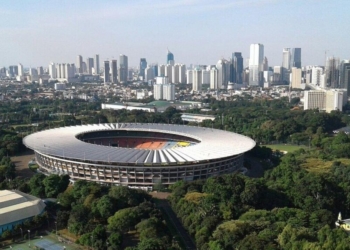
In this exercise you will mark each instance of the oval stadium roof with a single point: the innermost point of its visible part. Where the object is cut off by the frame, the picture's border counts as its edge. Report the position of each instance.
(214, 144)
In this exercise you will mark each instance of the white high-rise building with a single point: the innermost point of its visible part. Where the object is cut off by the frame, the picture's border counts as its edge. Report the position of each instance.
(182, 73)
(197, 80)
(316, 73)
(58, 71)
(163, 90)
(20, 70)
(52, 71)
(189, 76)
(158, 91)
(255, 64)
(169, 92)
(175, 73)
(69, 71)
(205, 76)
(63, 70)
(296, 78)
(161, 70)
(214, 79)
(162, 80)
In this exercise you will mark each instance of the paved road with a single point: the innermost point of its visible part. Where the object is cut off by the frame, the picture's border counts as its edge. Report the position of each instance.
(178, 225)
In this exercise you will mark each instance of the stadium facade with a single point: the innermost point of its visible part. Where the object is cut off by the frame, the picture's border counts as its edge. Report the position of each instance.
(138, 155)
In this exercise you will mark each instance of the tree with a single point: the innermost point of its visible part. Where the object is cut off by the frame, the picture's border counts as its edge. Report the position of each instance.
(123, 220)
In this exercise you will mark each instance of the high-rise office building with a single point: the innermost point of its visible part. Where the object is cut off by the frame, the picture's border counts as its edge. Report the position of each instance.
(143, 66)
(170, 58)
(286, 65)
(237, 68)
(106, 71)
(155, 70)
(344, 75)
(40, 70)
(149, 74)
(332, 72)
(296, 58)
(80, 68)
(123, 68)
(255, 64)
(265, 65)
(89, 65)
(114, 71)
(223, 67)
(189, 76)
(20, 70)
(97, 64)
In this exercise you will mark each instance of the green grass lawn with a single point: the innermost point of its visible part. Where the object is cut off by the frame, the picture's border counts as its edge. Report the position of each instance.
(283, 147)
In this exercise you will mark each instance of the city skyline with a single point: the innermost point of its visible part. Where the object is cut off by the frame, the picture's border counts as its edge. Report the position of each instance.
(196, 32)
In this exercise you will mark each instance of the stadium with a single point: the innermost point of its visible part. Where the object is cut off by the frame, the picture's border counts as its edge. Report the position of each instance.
(138, 155)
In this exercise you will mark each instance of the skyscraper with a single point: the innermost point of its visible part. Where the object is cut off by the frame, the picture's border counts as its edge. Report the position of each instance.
(106, 71)
(237, 68)
(255, 64)
(265, 64)
(223, 67)
(123, 68)
(296, 58)
(97, 64)
(114, 71)
(170, 58)
(344, 75)
(89, 65)
(286, 65)
(143, 66)
(332, 72)
(20, 70)
(80, 64)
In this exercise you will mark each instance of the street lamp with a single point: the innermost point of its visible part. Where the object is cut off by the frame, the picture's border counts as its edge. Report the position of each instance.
(29, 238)
(56, 227)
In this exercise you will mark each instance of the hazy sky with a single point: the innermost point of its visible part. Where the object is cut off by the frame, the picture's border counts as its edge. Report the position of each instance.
(36, 32)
